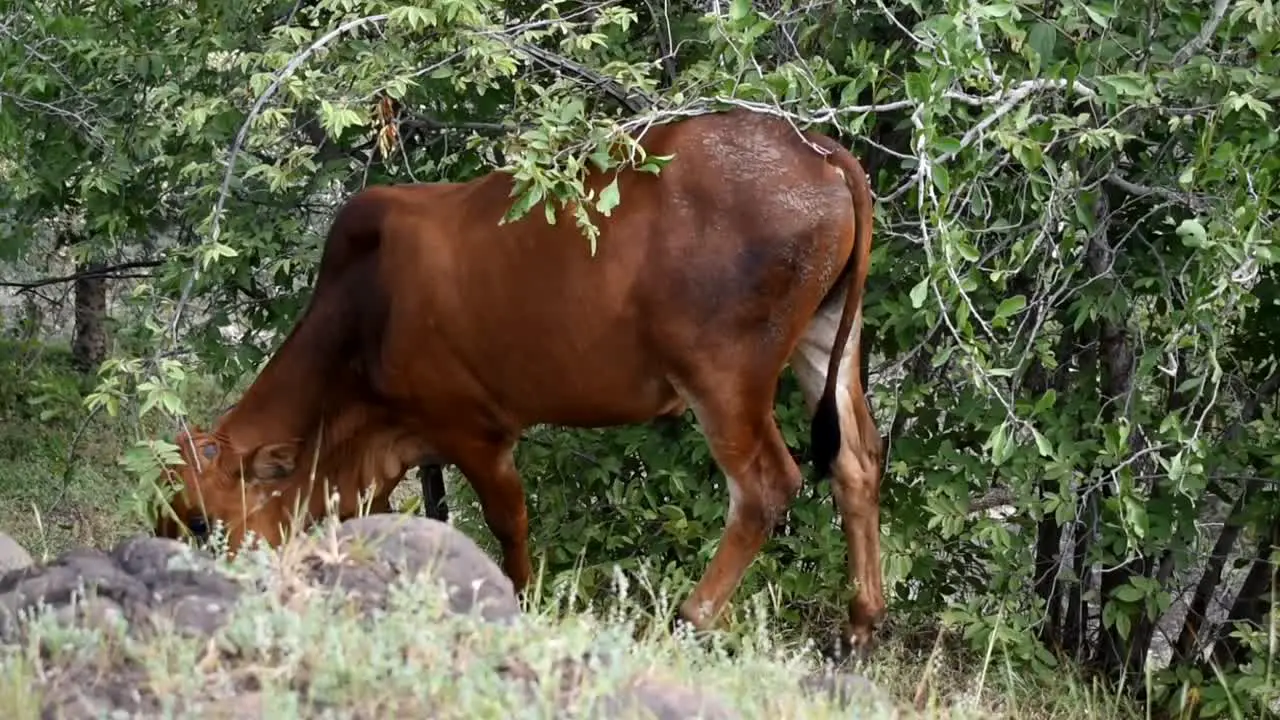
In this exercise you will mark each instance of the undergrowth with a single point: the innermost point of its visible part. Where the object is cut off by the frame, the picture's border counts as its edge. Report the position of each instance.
(61, 485)
(312, 657)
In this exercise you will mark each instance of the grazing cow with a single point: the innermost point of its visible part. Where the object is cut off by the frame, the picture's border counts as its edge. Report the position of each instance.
(436, 335)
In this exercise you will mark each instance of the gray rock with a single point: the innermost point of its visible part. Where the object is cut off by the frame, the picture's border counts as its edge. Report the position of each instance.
(661, 698)
(846, 690)
(12, 555)
(376, 550)
(152, 583)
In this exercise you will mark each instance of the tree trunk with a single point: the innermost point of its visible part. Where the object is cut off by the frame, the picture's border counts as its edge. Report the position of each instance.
(89, 343)
(1187, 645)
(1076, 626)
(1049, 531)
(1116, 362)
(1253, 601)
(1076, 621)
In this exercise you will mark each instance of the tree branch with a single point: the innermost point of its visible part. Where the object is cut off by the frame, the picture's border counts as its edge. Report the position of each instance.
(215, 219)
(1195, 202)
(109, 272)
(1197, 609)
(422, 123)
(662, 25)
(1201, 40)
(634, 101)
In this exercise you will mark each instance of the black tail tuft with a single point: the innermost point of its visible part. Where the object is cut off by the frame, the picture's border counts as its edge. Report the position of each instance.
(824, 435)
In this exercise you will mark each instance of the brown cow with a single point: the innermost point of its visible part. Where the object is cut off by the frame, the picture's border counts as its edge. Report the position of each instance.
(435, 334)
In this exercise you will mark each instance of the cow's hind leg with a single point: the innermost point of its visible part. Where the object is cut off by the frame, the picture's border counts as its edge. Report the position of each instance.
(762, 478)
(856, 469)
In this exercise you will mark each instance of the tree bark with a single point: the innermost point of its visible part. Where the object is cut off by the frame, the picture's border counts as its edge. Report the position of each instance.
(89, 343)
(1075, 622)
(1116, 365)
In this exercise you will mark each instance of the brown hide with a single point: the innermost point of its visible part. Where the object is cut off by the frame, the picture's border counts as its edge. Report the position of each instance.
(436, 334)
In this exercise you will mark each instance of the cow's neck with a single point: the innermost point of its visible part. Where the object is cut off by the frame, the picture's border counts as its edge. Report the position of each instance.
(286, 401)
(361, 447)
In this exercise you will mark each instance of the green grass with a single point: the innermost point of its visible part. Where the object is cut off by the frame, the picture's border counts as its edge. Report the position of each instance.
(301, 653)
(311, 654)
(61, 486)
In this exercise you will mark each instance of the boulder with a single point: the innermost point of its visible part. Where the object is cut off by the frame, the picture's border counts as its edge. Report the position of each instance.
(374, 551)
(12, 555)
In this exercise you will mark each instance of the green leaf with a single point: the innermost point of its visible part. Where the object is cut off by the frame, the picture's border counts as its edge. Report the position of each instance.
(609, 198)
(1042, 38)
(996, 10)
(999, 442)
(531, 195)
(941, 178)
(654, 163)
(1099, 13)
(1123, 625)
(1136, 513)
(1045, 402)
(1192, 233)
(918, 86)
(1010, 306)
(1128, 594)
(918, 293)
(739, 9)
(946, 145)
(1042, 443)
(1131, 84)
(967, 251)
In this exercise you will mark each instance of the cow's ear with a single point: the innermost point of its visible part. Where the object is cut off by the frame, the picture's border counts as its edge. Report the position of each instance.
(273, 462)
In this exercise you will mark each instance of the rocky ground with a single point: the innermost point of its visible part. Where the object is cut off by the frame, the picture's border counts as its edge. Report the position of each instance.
(376, 617)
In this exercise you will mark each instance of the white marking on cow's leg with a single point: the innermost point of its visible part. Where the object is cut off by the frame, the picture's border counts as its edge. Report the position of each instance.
(855, 486)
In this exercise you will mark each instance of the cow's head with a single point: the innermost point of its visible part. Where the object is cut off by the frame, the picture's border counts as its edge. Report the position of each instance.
(247, 491)
(277, 489)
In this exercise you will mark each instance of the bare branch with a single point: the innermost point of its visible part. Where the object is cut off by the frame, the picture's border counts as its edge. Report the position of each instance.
(1195, 202)
(662, 26)
(256, 110)
(1201, 40)
(1008, 101)
(109, 272)
(633, 100)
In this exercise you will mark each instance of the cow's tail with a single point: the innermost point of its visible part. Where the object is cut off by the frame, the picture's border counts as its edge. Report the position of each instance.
(824, 435)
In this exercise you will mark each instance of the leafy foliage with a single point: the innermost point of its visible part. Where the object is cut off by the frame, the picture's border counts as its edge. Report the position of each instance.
(1069, 303)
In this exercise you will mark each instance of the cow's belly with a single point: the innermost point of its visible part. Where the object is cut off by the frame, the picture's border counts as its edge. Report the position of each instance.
(556, 383)
(584, 392)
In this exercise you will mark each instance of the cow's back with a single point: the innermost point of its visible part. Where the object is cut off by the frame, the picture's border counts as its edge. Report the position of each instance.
(719, 250)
